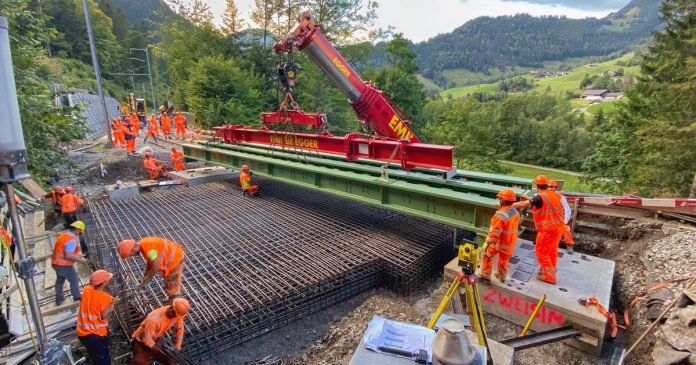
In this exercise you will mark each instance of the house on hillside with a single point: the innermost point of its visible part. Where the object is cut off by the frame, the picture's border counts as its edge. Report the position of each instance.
(594, 95)
(613, 96)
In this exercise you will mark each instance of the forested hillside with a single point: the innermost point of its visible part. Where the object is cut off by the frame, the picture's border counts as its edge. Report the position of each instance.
(522, 40)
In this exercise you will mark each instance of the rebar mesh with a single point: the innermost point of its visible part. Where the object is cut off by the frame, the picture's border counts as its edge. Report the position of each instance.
(254, 264)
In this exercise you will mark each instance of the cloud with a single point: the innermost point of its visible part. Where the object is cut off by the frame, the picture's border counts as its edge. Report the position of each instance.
(582, 4)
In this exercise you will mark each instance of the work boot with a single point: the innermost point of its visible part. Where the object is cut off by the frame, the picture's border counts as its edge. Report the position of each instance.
(569, 249)
(542, 280)
(499, 277)
(484, 279)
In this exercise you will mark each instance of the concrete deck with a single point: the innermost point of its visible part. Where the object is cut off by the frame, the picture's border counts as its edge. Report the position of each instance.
(579, 276)
(204, 175)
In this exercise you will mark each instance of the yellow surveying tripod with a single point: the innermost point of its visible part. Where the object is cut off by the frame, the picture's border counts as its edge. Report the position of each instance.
(468, 260)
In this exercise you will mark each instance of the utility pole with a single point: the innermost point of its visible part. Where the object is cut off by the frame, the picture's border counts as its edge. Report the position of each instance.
(133, 84)
(95, 63)
(13, 167)
(149, 74)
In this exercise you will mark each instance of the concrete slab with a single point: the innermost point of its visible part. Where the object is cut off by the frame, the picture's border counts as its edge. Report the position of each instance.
(579, 276)
(204, 175)
(123, 190)
(502, 354)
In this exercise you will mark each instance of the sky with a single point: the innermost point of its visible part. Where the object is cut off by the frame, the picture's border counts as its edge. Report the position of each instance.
(419, 20)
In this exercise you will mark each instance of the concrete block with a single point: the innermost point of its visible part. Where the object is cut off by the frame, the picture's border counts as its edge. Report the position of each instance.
(579, 276)
(204, 175)
(124, 190)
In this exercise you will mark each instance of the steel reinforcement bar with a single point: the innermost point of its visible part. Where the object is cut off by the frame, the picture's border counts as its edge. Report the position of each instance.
(255, 264)
(443, 205)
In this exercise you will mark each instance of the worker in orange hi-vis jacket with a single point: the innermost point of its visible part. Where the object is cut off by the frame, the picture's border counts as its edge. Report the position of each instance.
(567, 215)
(161, 255)
(502, 237)
(177, 159)
(135, 122)
(119, 141)
(152, 130)
(70, 203)
(166, 125)
(154, 167)
(180, 122)
(96, 308)
(245, 181)
(154, 327)
(56, 196)
(130, 135)
(548, 220)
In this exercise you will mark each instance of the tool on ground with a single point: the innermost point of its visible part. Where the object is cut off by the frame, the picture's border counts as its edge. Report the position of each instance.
(534, 313)
(649, 330)
(468, 256)
(421, 357)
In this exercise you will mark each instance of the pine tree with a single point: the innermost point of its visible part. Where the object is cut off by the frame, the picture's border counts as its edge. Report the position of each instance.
(233, 24)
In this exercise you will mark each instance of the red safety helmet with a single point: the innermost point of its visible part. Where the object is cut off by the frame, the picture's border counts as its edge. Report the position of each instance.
(245, 168)
(181, 306)
(553, 184)
(507, 195)
(541, 180)
(100, 276)
(125, 247)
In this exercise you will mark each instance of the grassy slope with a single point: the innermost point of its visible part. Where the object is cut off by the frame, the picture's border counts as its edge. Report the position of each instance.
(572, 182)
(555, 85)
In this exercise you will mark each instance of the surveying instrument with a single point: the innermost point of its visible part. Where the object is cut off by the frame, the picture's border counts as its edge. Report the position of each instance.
(468, 255)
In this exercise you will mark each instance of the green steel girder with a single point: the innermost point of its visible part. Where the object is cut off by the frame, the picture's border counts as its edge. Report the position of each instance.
(453, 208)
(460, 175)
(373, 168)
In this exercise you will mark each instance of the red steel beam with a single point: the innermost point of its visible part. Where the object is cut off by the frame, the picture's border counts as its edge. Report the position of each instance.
(352, 146)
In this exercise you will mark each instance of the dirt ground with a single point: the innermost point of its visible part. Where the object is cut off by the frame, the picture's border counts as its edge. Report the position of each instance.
(640, 249)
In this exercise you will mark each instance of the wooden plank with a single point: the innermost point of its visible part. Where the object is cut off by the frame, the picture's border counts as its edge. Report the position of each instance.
(60, 308)
(7, 292)
(33, 188)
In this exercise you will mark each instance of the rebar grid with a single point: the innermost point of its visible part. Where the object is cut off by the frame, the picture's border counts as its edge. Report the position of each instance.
(254, 264)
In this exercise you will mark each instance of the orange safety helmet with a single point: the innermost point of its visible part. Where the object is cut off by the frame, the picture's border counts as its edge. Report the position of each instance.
(148, 154)
(507, 195)
(553, 184)
(181, 306)
(541, 180)
(57, 189)
(125, 247)
(69, 189)
(100, 276)
(245, 168)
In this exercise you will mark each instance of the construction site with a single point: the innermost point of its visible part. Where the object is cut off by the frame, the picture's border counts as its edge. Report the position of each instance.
(345, 235)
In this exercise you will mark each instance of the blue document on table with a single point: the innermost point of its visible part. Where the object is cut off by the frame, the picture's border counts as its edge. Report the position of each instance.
(398, 338)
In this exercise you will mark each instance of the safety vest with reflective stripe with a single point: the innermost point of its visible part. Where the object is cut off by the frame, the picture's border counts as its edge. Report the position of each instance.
(244, 180)
(70, 202)
(550, 215)
(504, 226)
(92, 304)
(59, 257)
(171, 252)
(156, 324)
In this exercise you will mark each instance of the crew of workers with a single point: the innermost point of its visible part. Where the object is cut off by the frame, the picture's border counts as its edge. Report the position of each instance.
(125, 130)
(96, 304)
(551, 213)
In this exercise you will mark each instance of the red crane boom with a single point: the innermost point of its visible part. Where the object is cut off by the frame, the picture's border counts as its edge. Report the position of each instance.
(374, 109)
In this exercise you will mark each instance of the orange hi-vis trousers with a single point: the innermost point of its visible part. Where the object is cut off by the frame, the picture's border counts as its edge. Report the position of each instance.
(118, 139)
(546, 249)
(567, 236)
(130, 145)
(503, 262)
